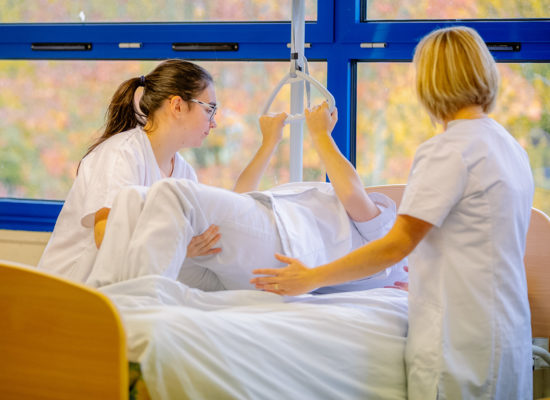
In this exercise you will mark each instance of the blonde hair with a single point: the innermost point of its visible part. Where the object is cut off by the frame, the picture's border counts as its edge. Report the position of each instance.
(454, 69)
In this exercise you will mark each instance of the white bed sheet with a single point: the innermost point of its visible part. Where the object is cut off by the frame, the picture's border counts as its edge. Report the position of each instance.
(256, 345)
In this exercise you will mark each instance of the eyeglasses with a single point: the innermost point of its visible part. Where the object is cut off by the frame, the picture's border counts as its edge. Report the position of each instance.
(211, 109)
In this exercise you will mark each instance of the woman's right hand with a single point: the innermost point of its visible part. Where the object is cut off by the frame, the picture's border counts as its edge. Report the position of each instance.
(319, 120)
(293, 279)
(271, 126)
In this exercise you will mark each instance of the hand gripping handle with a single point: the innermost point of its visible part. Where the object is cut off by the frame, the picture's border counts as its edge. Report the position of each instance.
(300, 76)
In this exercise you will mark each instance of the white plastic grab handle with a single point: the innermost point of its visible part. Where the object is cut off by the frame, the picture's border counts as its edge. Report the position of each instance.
(300, 76)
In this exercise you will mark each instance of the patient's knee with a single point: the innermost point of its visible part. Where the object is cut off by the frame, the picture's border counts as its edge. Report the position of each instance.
(131, 195)
(173, 188)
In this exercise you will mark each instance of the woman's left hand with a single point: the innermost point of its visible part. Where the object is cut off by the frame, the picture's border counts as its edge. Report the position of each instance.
(203, 244)
(292, 280)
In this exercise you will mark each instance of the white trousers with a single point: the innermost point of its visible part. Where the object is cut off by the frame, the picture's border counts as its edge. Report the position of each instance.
(148, 231)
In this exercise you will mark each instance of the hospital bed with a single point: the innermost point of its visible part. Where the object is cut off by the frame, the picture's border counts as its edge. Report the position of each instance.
(61, 340)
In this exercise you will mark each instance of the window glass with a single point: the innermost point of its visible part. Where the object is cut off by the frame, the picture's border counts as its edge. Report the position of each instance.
(237, 137)
(150, 10)
(455, 9)
(391, 123)
(50, 112)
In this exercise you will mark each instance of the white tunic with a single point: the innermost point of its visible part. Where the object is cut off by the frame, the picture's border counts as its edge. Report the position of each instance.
(124, 159)
(469, 319)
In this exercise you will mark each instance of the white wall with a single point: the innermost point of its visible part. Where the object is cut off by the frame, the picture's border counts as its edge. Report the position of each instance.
(22, 246)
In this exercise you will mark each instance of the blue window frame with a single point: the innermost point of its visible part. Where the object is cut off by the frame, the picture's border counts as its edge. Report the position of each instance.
(339, 36)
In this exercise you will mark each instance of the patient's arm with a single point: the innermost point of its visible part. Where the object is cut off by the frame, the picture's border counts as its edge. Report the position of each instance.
(342, 174)
(271, 127)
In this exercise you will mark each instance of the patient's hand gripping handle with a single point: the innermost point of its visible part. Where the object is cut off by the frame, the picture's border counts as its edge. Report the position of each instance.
(299, 76)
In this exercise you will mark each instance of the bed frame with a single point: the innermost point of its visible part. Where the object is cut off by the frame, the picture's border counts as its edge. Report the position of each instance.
(58, 340)
(61, 340)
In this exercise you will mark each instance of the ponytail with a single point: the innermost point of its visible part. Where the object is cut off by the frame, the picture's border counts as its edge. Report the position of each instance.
(121, 115)
(169, 78)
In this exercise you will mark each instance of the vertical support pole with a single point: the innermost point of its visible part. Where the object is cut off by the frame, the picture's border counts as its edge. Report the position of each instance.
(297, 91)
(341, 83)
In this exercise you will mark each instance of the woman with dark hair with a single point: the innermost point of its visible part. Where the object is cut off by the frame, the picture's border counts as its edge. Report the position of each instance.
(150, 118)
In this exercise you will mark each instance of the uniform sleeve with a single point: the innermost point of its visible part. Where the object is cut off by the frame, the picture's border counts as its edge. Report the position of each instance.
(378, 226)
(436, 183)
(105, 173)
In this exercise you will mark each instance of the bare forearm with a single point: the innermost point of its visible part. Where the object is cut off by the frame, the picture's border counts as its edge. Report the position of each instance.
(249, 179)
(345, 180)
(363, 262)
(367, 260)
(375, 256)
(271, 127)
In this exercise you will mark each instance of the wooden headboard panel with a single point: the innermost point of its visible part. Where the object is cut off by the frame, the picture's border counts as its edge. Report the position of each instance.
(537, 266)
(537, 262)
(59, 340)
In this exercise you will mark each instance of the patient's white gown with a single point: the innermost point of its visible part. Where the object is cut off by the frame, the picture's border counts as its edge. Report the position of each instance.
(148, 231)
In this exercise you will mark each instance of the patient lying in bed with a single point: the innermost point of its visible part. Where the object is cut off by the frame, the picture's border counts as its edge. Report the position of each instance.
(149, 229)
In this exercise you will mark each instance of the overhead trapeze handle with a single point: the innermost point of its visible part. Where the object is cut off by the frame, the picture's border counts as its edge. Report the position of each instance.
(300, 76)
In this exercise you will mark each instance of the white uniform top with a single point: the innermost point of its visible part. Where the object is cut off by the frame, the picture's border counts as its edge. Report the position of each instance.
(469, 320)
(122, 160)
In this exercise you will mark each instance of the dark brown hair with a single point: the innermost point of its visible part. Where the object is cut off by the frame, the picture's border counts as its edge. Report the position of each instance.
(169, 78)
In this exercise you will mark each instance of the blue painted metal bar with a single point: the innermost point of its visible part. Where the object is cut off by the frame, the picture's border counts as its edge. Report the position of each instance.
(536, 31)
(338, 83)
(29, 215)
(530, 52)
(157, 33)
(401, 38)
(15, 39)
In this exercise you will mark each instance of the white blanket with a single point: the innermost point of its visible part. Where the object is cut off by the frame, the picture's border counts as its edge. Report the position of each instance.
(256, 345)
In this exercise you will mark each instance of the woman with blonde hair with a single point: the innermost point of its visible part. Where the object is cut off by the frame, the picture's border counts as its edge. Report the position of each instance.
(465, 213)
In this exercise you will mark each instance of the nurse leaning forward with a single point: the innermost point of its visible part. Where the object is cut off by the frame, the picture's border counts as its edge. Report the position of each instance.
(150, 118)
(465, 213)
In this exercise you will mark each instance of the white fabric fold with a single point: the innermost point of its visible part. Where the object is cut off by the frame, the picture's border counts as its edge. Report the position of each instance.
(246, 344)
